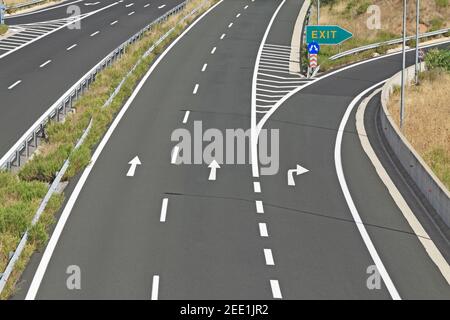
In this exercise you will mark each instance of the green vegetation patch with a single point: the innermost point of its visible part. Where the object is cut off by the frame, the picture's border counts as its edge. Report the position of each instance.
(3, 29)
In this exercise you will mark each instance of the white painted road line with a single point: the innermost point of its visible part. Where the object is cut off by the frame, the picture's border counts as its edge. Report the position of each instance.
(45, 63)
(131, 13)
(71, 47)
(245, 7)
(238, 15)
(348, 197)
(95, 33)
(204, 67)
(276, 291)
(50, 248)
(175, 155)
(259, 206)
(129, 5)
(263, 230)
(269, 257)
(257, 187)
(195, 89)
(14, 84)
(164, 210)
(213, 50)
(160, 7)
(222, 36)
(147, 5)
(230, 25)
(114, 22)
(155, 287)
(186, 116)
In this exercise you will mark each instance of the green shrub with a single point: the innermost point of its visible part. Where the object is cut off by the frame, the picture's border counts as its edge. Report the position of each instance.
(3, 29)
(436, 24)
(438, 59)
(442, 3)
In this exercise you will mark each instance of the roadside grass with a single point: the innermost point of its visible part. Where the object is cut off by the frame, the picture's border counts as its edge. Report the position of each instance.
(352, 15)
(35, 176)
(427, 120)
(9, 3)
(3, 29)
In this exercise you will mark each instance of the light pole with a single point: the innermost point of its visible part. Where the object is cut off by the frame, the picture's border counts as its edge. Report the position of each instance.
(318, 11)
(417, 41)
(402, 99)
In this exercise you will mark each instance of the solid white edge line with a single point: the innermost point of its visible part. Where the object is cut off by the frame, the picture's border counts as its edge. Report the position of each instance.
(155, 287)
(276, 291)
(43, 264)
(164, 210)
(416, 226)
(254, 128)
(348, 198)
(269, 257)
(263, 230)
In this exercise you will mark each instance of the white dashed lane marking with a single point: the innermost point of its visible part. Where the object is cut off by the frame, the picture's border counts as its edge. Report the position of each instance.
(14, 84)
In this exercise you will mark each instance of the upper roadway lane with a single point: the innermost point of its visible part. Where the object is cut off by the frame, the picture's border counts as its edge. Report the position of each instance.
(46, 68)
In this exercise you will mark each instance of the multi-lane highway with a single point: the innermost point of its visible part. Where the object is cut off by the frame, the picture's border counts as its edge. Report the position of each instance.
(156, 228)
(46, 58)
(164, 230)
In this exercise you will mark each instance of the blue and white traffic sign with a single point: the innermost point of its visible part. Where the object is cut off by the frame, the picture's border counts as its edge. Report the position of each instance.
(2, 12)
(313, 47)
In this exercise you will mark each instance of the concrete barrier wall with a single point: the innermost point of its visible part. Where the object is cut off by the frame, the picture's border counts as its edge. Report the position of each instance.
(431, 187)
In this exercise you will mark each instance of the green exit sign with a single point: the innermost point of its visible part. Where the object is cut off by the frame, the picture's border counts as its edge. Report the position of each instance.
(330, 35)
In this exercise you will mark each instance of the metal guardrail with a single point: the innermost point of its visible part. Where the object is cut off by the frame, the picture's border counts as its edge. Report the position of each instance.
(64, 104)
(23, 241)
(25, 4)
(387, 43)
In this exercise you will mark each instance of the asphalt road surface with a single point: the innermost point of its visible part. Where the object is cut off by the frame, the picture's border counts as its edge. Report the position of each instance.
(33, 77)
(169, 232)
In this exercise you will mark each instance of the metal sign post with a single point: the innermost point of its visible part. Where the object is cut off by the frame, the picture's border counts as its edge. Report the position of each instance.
(2, 11)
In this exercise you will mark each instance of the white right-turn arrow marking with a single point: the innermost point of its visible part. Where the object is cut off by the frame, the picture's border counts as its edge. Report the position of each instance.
(298, 171)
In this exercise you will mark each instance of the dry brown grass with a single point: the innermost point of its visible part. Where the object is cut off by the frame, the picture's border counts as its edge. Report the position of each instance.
(427, 121)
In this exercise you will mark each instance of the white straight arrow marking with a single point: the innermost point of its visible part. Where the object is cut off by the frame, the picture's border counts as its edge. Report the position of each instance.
(213, 166)
(133, 164)
(298, 171)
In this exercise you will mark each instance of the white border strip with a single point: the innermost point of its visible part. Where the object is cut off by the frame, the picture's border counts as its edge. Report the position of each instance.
(40, 272)
(254, 128)
(348, 198)
(413, 222)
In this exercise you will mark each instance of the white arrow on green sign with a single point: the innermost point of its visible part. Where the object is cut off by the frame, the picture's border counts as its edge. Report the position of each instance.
(331, 35)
